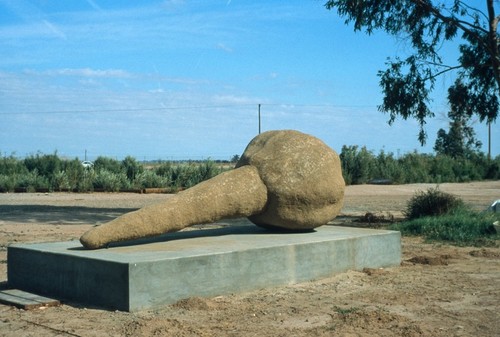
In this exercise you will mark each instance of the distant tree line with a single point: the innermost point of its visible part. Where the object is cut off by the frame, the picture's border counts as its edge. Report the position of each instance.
(49, 172)
(361, 166)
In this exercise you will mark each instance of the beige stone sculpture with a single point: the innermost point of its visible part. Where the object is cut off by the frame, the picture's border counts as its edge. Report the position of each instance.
(284, 179)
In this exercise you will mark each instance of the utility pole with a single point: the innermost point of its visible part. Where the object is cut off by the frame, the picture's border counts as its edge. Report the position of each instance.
(259, 119)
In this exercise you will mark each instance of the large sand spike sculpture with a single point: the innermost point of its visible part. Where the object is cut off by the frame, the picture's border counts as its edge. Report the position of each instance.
(284, 179)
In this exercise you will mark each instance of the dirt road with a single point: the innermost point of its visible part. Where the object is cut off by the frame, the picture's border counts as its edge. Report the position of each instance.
(439, 290)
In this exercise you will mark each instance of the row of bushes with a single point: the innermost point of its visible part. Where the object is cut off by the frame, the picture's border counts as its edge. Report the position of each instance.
(360, 166)
(42, 172)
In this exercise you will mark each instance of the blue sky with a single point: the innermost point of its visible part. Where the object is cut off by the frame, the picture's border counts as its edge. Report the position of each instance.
(182, 79)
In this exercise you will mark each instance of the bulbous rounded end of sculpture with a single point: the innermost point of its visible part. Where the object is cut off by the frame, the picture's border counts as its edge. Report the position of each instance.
(303, 177)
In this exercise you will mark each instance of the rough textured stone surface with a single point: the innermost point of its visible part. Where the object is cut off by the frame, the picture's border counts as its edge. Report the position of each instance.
(236, 193)
(303, 177)
(284, 179)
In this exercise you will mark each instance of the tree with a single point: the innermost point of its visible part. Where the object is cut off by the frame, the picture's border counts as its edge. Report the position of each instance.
(131, 167)
(235, 158)
(459, 141)
(426, 24)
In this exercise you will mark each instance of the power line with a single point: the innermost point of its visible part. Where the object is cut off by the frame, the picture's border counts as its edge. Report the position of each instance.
(190, 107)
(125, 109)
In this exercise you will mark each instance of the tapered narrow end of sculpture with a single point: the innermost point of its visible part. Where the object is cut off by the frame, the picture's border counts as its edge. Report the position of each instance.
(236, 193)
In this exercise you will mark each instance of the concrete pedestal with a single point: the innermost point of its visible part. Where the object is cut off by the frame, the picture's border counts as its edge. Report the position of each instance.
(162, 270)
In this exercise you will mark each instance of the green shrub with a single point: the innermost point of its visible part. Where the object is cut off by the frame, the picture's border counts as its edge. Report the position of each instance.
(110, 182)
(441, 216)
(77, 176)
(10, 166)
(60, 181)
(432, 202)
(44, 164)
(441, 169)
(86, 183)
(131, 167)
(149, 179)
(108, 164)
(7, 183)
(32, 181)
(356, 165)
(416, 168)
(164, 170)
(187, 175)
(184, 176)
(461, 226)
(387, 168)
(359, 166)
(492, 170)
(206, 170)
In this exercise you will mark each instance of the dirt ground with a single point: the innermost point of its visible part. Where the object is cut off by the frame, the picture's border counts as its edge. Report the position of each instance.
(438, 290)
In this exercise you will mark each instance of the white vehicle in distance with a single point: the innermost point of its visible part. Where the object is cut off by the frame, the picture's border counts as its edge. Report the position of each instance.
(87, 164)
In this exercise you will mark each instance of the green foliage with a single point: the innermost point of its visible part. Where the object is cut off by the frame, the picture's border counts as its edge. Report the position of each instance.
(60, 181)
(110, 182)
(356, 165)
(150, 179)
(207, 170)
(164, 169)
(345, 311)
(460, 227)
(107, 174)
(416, 167)
(235, 158)
(78, 177)
(361, 166)
(108, 164)
(459, 141)
(131, 167)
(187, 175)
(440, 216)
(86, 184)
(426, 26)
(432, 202)
(32, 181)
(11, 166)
(493, 170)
(44, 164)
(387, 167)
(7, 183)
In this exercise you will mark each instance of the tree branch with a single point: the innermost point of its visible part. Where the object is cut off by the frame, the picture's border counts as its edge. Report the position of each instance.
(493, 40)
(474, 9)
(442, 65)
(439, 73)
(458, 23)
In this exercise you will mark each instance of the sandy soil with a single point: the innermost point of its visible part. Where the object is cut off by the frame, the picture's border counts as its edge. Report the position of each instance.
(439, 290)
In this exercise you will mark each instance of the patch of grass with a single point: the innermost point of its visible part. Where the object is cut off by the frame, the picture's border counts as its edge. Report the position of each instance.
(345, 311)
(461, 226)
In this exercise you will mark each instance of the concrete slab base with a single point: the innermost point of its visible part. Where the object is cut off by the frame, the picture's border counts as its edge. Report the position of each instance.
(150, 273)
